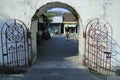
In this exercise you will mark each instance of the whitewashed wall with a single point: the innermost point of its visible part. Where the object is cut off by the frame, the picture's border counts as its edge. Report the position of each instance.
(57, 19)
(87, 10)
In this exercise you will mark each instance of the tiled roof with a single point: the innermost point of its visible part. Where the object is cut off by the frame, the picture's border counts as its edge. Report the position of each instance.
(69, 17)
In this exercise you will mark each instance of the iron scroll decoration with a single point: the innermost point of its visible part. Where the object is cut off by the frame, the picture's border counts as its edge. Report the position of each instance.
(15, 43)
(14, 30)
(99, 30)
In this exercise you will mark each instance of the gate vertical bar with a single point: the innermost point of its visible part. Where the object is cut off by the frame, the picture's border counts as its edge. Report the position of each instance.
(97, 42)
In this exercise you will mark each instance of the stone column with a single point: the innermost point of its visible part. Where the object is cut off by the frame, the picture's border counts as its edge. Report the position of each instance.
(34, 29)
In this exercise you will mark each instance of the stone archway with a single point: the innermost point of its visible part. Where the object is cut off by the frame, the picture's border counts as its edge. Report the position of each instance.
(44, 8)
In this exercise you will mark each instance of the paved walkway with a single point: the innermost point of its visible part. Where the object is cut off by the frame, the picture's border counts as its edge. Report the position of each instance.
(58, 60)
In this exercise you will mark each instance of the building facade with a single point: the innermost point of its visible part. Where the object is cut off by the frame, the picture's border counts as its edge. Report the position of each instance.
(56, 23)
(70, 22)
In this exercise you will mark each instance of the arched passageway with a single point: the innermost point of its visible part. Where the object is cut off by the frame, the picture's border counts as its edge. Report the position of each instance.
(42, 10)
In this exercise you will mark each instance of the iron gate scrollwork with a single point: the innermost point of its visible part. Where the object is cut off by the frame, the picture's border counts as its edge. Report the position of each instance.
(98, 46)
(16, 45)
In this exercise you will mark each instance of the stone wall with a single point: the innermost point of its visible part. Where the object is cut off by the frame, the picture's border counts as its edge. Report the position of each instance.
(86, 10)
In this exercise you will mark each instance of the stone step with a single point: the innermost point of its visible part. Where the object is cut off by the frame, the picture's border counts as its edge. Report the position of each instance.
(11, 76)
(113, 78)
(58, 74)
(58, 64)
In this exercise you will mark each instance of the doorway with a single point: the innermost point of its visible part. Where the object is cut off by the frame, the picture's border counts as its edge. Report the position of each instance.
(49, 6)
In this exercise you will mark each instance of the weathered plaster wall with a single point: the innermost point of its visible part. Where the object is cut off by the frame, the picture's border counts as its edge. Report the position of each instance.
(87, 10)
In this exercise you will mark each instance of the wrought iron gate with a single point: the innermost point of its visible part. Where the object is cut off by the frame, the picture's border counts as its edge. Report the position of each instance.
(98, 46)
(16, 45)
